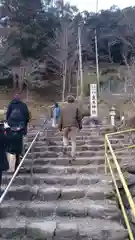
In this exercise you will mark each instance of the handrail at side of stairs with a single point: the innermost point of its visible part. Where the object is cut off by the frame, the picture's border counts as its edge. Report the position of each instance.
(21, 163)
(110, 162)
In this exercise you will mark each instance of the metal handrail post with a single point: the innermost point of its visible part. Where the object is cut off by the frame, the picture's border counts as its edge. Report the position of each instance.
(120, 132)
(125, 187)
(121, 178)
(121, 203)
(32, 164)
(105, 142)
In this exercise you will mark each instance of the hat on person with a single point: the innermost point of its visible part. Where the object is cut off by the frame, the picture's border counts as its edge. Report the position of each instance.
(17, 96)
(70, 99)
(56, 105)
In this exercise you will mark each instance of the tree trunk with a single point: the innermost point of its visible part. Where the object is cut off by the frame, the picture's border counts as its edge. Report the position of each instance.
(80, 59)
(65, 63)
(109, 54)
(78, 80)
(14, 82)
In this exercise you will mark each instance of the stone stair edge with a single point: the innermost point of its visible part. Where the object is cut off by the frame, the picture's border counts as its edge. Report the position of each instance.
(99, 176)
(43, 204)
(32, 225)
(61, 167)
(94, 169)
(47, 187)
(68, 179)
(59, 219)
(83, 145)
(65, 228)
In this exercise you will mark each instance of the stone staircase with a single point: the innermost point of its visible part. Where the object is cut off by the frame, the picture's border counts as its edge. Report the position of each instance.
(68, 200)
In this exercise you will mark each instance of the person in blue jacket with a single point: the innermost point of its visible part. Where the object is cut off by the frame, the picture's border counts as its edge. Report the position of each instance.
(56, 113)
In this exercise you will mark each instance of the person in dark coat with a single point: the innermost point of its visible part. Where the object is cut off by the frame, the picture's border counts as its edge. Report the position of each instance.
(18, 113)
(70, 122)
(15, 144)
(17, 117)
(4, 165)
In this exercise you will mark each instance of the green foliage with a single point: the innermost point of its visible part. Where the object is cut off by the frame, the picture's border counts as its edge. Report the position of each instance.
(49, 33)
(33, 27)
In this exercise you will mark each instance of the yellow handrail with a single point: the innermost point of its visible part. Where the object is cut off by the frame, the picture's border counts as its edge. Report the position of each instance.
(108, 163)
(120, 132)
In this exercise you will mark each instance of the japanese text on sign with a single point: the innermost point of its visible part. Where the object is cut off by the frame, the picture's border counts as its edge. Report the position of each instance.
(93, 100)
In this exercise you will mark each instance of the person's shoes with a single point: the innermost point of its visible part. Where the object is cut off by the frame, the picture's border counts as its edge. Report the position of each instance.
(64, 151)
(1, 192)
(73, 158)
(17, 173)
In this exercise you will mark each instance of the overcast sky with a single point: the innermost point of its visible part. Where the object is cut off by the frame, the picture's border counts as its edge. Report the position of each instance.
(90, 5)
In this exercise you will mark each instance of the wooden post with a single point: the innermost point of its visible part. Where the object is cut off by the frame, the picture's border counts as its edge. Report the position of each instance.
(96, 49)
(65, 64)
(77, 78)
(93, 100)
(80, 59)
(21, 77)
(97, 63)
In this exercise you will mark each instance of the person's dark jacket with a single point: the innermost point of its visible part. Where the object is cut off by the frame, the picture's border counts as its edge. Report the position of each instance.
(23, 117)
(4, 165)
(15, 140)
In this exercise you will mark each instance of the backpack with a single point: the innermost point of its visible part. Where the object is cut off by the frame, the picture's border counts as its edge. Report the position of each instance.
(16, 114)
(57, 112)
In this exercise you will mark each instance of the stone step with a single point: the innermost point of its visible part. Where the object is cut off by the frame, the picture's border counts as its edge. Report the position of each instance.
(40, 168)
(122, 135)
(63, 191)
(83, 154)
(85, 146)
(94, 141)
(80, 134)
(93, 147)
(44, 192)
(130, 179)
(49, 169)
(64, 161)
(84, 129)
(128, 165)
(57, 148)
(87, 137)
(79, 142)
(95, 136)
(45, 154)
(76, 192)
(69, 180)
(102, 209)
(58, 137)
(61, 229)
(97, 126)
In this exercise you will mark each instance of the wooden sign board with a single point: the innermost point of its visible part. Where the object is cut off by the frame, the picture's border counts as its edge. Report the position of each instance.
(93, 100)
